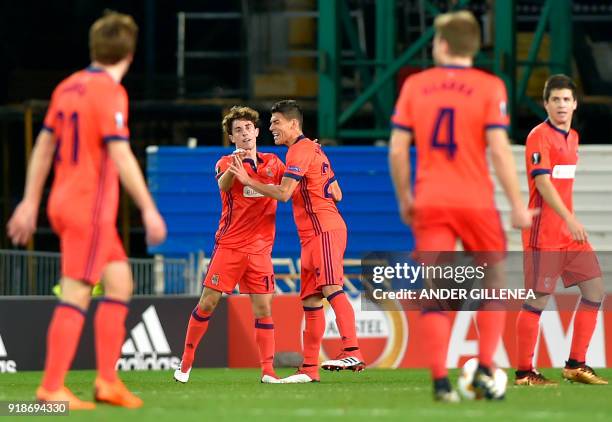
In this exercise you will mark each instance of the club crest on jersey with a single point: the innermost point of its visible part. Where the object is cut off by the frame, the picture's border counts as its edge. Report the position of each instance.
(119, 120)
(215, 280)
(269, 172)
(536, 158)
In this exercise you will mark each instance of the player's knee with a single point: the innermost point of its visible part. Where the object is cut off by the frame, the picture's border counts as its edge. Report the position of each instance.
(262, 310)
(208, 302)
(76, 292)
(539, 302)
(592, 290)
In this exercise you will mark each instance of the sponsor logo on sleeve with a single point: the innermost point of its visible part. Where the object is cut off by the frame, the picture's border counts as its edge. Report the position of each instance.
(536, 158)
(119, 121)
(295, 169)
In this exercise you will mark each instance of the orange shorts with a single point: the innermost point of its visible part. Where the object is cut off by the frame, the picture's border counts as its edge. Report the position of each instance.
(229, 267)
(437, 229)
(322, 262)
(87, 249)
(574, 264)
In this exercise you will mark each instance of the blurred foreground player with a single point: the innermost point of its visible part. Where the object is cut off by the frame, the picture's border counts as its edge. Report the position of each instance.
(452, 113)
(557, 244)
(311, 184)
(243, 243)
(85, 133)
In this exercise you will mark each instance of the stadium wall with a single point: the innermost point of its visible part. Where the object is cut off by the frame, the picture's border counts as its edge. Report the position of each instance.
(389, 339)
(155, 332)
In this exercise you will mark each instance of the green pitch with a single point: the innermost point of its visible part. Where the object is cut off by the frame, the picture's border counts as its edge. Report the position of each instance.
(392, 395)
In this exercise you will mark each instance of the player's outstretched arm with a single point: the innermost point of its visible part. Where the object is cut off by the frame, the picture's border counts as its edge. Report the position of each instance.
(552, 198)
(22, 224)
(133, 181)
(505, 170)
(399, 163)
(280, 192)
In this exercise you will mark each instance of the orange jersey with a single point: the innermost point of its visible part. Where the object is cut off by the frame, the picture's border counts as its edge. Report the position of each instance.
(314, 209)
(448, 109)
(248, 218)
(87, 110)
(550, 150)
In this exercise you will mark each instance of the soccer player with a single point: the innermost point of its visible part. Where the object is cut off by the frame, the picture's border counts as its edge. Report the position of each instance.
(310, 182)
(85, 134)
(243, 243)
(557, 244)
(452, 113)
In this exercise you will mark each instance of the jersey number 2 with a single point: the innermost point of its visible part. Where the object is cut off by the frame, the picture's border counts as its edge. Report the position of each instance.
(445, 125)
(73, 126)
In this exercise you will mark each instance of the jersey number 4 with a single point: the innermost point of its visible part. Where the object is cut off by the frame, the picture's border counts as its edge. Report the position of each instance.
(443, 135)
(63, 128)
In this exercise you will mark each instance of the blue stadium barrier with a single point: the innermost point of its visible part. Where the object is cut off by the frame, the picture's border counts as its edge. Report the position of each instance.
(184, 187)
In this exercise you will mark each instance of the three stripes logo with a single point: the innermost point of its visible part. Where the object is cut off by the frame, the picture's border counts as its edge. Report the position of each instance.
(6, 365)
(147, 347)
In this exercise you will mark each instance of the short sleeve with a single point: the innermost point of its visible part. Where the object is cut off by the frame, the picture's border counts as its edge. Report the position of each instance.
(221, 167)
(537, 155)
(496, 112)
(403, 117)
(51, 116)
(113, 115)
(280, 170)
(298, 160)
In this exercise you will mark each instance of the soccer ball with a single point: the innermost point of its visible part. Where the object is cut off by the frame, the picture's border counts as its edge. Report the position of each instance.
(464, 384)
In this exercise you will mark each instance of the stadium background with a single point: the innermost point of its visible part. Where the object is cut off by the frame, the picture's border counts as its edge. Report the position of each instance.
(344, 61)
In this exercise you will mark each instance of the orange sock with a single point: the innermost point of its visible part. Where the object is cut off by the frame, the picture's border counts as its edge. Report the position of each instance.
(109, 326)
(584, 325)
(345, 319)
(264, 336)
(62, 340)
(527, 329)
(435, 334)
(314, 328)
(198, 324)
(490, 321)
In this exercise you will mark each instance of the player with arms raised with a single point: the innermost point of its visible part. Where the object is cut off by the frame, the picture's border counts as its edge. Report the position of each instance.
(311, 184)
(243, 243)
(453, 113)
(85, 133)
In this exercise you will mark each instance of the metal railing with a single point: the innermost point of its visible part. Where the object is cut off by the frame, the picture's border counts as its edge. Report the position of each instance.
(29, 273)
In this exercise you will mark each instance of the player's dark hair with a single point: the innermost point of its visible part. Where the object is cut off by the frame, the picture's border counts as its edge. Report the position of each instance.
(112, 37)
(239, 113)
(461, 31)
(290, 109)
(559, 81)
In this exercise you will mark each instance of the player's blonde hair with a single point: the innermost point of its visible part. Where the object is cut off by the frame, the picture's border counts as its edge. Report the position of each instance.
(461, 31)
(112, 37)
(239, 113)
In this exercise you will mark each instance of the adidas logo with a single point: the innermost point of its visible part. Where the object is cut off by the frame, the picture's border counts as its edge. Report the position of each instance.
(147, 347)
(8, 366)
